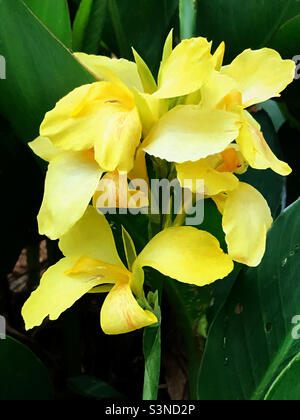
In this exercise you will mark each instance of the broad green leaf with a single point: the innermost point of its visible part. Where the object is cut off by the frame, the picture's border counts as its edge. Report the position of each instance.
(252, 339)
(40, 70)
(88, 26)
(152, 353)
(22, 375)
(250, 24)
(286, 40)
(91, 387)
(287, 385)
(273, 110)
(55, 15)
(142, 24)
(187, 18)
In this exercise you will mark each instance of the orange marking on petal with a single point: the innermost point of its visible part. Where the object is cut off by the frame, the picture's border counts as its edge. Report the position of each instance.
(230, 161)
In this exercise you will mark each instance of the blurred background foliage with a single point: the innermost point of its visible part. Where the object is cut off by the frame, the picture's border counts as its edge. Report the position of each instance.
(240, 323)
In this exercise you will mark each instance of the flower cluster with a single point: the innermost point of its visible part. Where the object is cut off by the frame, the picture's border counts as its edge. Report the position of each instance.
(195, 117)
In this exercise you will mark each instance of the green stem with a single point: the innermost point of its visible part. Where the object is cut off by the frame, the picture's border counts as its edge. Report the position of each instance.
(152, 352)
(152, 343)
(187, 17)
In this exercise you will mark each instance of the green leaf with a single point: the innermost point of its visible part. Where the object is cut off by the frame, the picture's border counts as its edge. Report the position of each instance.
(22, 375)
(91, 387)
(129, 248)
(251, 340)
(152, 339)
(152, 353)
(142, 24)
(145, 74)
(287, 386)
(38, 73)
(187, 18)
(250, 24)
(88, 26)
(55, 15)
(286, 40)
(275, 113)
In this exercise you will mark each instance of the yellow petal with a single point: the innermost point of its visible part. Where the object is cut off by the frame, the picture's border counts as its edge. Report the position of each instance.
(112, 69)
(119, 132)
(56, 293)
(101, 115)
(246, 220)
(63, 129)
(139, 170)
(214, 181)
(121, 313)
(255, 148)
(43, 148)
(108, 273)
(216, 88)
(188, 255)
(190, 133)
(260, 74)
(220, 201)
(186, 69)
(91, 236)
(71, 181)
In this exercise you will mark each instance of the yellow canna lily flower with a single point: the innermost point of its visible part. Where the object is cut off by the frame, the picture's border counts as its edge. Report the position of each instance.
(101, 116)
(183, 71)
(253, 77)
(217, 171)
(190, 131)
(136, 77)
(92, 264)
(94, 129)
(246, 221)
